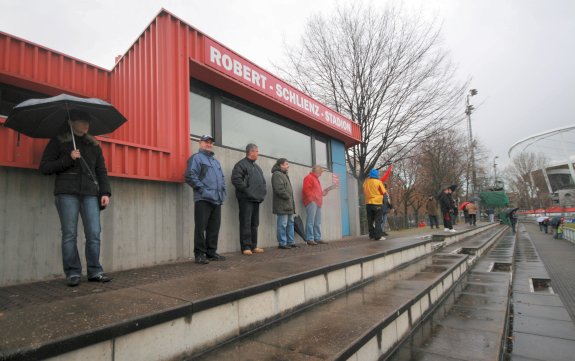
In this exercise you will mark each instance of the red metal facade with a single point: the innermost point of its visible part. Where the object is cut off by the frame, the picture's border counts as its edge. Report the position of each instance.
(149, 85)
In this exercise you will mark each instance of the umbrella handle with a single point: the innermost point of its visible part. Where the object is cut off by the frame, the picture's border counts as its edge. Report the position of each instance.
(70, 124)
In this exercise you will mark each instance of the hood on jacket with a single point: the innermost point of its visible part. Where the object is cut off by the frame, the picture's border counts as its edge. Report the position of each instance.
(276, 168)
(373, 173)
(67, 137)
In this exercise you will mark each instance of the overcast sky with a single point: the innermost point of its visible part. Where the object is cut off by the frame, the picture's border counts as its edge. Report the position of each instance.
(518, 53)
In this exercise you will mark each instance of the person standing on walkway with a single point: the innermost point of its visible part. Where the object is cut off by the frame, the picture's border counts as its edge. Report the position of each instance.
(559, 228)
(373, 192)
(81, 188)
(250, 184)
(513, 219)
(472, 213)
(447, 208)
(387, 207)
(491, 214)
(431, 209)
(204, 174)
(545, 224)
(313, 194)
(283, 204)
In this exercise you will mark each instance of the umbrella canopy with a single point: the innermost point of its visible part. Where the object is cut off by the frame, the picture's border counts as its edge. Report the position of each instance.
(555, 220)
(48, 117)
(462, 205)
(541, 219)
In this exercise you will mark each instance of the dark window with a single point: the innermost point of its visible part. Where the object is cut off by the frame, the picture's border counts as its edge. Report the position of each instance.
(200, 114)
(240, 128)
(321, 152)
(11, 96)
(234, 123)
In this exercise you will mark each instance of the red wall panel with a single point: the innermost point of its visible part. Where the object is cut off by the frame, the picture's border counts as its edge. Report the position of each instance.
(149, 85)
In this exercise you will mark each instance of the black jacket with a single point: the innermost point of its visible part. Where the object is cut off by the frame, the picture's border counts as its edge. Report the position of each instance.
(283, 202)
(72, 176)
(249, 181)
(446, 203)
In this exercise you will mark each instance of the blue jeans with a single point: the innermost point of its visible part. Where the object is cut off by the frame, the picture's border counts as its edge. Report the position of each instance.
(383, 220)
(285, 229)
(69, 206)
(313, 222)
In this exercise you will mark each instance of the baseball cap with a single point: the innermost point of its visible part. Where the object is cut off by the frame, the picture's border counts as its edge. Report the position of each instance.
(207, 137)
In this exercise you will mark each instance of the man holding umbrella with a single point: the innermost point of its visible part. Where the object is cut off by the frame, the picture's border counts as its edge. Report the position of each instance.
(81, 188)
(75, 157)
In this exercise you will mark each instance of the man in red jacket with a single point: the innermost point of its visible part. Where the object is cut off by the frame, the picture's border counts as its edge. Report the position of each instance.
(313, 199)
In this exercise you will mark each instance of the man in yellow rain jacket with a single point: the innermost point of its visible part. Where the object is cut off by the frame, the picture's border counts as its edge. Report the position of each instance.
(373, 191)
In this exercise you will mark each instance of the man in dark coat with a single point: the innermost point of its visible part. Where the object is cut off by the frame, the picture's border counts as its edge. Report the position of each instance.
(431, 209)
(447, 208)
(283, 204)
(81, 188)
(204, 174)
(248, 179)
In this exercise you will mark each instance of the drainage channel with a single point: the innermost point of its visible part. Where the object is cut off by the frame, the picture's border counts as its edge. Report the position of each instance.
(541, 326)
(471, 321)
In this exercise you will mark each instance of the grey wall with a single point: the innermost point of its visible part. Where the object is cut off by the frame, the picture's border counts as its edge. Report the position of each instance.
(147, 222)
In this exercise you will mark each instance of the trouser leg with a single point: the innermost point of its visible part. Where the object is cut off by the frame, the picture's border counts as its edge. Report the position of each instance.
(68, 207)
(90, 212)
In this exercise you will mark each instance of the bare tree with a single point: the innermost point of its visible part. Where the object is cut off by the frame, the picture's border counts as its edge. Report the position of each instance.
(385, 71)
(523, 178)
(407, 177)
(443, 161)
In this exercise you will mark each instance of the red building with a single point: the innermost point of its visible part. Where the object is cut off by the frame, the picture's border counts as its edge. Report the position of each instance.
(173, 85)
(150, 85)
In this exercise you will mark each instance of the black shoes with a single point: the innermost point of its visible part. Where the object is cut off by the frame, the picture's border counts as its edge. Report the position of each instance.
(385, 234)
(284, 247)
(293, 245)
(73, 281)
(201, 259)
(216, 257)
(100, 278)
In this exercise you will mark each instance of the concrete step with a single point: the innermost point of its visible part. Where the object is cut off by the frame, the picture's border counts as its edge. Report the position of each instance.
(183, 309)
(362, 324)
(473, 324)
(365, 323)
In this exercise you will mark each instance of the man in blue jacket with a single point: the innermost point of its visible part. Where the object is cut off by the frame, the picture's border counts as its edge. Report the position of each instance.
(204, 174)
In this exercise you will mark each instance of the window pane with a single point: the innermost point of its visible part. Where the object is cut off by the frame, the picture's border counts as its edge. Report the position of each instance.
(200, 115)
(321, 153)
(240, 128)
(11, 96)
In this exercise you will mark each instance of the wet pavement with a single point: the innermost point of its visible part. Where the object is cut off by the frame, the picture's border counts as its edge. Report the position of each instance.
(470, 325)
(33, 315)
(542, 326)
(44, 315)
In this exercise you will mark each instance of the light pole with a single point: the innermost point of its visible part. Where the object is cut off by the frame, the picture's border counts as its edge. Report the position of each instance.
(468, 110)
(495, 171)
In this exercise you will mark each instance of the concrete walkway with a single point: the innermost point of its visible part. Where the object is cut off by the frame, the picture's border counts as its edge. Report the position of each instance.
(40, 317)
(558, 255)
(542, 327)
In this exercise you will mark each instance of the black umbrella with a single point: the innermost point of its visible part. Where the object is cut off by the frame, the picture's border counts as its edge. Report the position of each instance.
(48, 117)
(298, 226)
(510, 210)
